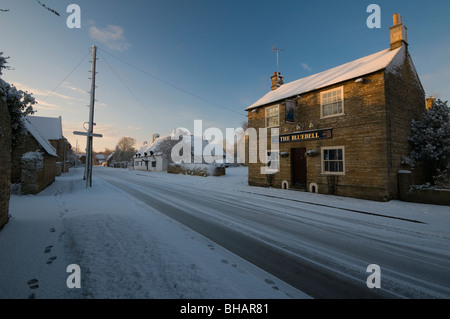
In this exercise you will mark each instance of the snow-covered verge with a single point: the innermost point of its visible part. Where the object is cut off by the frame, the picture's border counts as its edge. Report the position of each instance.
(124, 250)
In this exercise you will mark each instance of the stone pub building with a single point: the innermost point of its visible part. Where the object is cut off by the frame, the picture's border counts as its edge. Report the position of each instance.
(343, 131)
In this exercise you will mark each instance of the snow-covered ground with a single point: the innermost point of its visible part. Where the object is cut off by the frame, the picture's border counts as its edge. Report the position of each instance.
(125, 249)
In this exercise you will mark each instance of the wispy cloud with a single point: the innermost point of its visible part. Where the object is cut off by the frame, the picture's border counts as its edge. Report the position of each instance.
(41, 105)
(306, 67)
(67, 85)
(41, 93)
(112, 36)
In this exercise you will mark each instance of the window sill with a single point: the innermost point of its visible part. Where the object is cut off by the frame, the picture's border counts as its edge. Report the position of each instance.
(331, 116)
(332, 174)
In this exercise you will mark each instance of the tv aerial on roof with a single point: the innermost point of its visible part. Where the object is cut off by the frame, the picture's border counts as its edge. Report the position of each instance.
(278, 66)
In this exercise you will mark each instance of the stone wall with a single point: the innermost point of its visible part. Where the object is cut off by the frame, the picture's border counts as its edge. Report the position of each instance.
(405, 100)
(38, 172)
(409, 192)
(62, 147)
(5, 162)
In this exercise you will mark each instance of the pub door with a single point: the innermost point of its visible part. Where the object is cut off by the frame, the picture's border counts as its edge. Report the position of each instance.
(298, 157)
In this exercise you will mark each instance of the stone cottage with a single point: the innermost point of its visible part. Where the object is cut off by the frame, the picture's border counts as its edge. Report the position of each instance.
(51, 129)
(343, 131)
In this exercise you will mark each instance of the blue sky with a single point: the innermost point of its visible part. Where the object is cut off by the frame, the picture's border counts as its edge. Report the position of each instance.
(164, 64)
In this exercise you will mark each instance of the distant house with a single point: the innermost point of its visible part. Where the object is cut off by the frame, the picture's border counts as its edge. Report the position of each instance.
(148, 159)
(51, 129)
(108, 159)
(100, 158)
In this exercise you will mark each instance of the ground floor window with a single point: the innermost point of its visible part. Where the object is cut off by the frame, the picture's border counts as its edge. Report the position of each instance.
(273, 161)
(154, 164)
(333, 160)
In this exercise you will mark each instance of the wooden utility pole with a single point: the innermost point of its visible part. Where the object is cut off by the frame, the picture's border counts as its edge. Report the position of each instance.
(90, 131)
(91, 119)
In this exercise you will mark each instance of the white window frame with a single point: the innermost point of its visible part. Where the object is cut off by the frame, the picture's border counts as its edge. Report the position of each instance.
(322, 159)
(274, 159)
(277, 116)
(322, 104)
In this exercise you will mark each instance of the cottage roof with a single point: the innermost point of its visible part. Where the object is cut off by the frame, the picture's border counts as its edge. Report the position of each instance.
(39, 137)
(49, 127)
(147, 148)
(386, 59)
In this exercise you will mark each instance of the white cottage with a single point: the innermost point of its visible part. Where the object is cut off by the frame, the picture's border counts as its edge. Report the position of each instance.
(148, 159)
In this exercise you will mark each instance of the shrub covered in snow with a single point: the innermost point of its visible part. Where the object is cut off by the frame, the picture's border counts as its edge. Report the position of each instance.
(196, 169)
(33, 159)
(430, 139)
(442, 179)
(19, 104)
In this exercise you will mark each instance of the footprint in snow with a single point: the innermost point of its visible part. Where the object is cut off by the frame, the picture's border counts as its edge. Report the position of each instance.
(33, 283)
(48, 249)
(270, 282)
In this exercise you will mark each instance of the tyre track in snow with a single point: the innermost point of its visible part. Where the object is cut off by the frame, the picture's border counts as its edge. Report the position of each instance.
(315, 279)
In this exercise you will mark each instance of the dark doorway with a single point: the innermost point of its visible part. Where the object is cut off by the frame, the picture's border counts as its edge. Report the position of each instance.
(298, 167)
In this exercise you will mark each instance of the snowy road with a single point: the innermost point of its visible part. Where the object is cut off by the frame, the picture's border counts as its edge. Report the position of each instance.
(304, 239)
(163, 236)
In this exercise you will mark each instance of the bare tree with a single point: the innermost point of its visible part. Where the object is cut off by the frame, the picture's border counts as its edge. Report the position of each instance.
(165, 146)
(125, 149)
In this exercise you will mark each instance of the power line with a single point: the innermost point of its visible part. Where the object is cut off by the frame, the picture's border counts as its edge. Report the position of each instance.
(173, 85)
(66, 77)
(124, 84)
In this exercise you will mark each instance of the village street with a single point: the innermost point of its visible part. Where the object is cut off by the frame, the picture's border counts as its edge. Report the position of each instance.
(321, 250)
(156, 235)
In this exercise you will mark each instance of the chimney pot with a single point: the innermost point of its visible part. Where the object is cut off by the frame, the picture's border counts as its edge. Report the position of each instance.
(397, 18)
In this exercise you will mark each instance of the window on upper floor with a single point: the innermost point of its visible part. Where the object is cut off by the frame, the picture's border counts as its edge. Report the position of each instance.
(332, 102)
(272, 116)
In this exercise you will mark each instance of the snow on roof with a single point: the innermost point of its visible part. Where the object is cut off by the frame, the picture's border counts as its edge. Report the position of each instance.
(385, 59)
(110, 156)
(49, 127)
(39, 137)
(147, 148)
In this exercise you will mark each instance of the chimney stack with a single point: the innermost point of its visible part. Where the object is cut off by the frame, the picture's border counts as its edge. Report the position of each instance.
(398, 33)
(277, 80)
